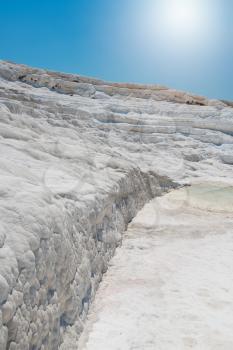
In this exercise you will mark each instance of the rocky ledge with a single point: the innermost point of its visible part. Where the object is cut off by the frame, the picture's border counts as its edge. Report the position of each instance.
(79, 157)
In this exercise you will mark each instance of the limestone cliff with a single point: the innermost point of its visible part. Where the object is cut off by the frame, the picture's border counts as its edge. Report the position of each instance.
(78, 158)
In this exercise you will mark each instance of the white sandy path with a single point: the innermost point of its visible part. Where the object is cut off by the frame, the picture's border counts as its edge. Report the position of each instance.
(170, 285)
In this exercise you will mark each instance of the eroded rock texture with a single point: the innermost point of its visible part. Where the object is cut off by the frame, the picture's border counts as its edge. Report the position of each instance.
(78, 158)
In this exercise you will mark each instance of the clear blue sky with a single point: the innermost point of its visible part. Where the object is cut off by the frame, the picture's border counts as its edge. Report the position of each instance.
(116, 40)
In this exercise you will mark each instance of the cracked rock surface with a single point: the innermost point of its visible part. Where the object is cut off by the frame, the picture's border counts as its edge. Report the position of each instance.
(78, 159)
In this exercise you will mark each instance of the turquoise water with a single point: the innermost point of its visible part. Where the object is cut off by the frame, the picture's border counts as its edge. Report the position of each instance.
(208, 196)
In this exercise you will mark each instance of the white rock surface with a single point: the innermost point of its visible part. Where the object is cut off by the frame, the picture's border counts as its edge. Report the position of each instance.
(78, 158)
(170, 284)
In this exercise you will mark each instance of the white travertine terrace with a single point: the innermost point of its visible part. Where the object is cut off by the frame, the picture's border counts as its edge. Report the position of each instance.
(169, 286)
(78, 158)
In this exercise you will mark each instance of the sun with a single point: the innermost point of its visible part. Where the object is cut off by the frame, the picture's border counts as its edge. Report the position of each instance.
(177, 30)
(181, 16)
(183, 13)
(176, 23)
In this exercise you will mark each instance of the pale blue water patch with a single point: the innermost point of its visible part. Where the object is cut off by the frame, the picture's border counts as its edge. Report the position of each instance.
(217, 197)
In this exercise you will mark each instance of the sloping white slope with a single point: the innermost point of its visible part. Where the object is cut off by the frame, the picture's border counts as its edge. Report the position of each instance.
(78, 159)
(170, 284)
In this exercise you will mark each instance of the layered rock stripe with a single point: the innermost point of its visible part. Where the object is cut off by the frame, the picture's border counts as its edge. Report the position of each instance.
(78, 158)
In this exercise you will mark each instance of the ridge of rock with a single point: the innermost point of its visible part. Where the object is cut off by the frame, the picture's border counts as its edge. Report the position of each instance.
(78, 158)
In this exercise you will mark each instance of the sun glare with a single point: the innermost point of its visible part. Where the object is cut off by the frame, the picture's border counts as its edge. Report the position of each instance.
(179, 23)
(182, 19)
(181, 15)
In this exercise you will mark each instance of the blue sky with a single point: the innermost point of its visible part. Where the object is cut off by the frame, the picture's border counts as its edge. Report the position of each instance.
(122, 40)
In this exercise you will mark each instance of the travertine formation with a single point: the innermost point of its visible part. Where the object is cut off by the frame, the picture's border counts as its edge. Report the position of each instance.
(169, 286)
(78, 158)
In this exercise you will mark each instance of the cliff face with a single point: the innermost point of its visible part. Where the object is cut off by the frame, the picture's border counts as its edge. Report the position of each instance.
(78, 158)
